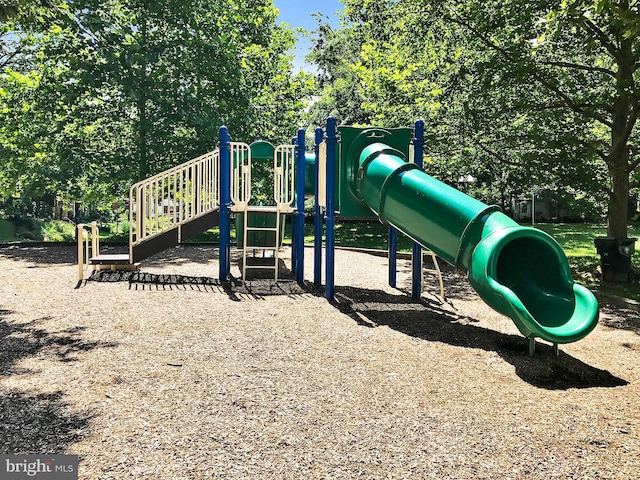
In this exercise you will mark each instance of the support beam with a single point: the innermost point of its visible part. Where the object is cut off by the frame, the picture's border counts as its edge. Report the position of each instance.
(298, 216)
(393, 256)
(416, 248)
(225, 203)
(330, 213)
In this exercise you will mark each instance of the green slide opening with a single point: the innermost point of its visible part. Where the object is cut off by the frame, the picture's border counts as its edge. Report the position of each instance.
(531, 269)
(523, 273)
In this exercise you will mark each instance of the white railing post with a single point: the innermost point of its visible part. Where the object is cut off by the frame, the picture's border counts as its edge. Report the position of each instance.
(95, 239)
(80, 239)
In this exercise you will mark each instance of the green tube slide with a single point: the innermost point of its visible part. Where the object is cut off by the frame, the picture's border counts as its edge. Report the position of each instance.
(519, 271)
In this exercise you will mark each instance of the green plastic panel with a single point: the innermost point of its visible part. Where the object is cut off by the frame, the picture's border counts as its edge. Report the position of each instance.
(262, 150)
(309, 174)
(259, 238)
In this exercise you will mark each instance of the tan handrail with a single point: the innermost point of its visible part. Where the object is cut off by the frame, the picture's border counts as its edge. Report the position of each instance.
(240, 176)
(283, 178)
(173, 197)
(88, 238)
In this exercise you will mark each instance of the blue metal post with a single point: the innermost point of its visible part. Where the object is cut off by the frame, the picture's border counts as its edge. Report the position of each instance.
(416, 250)
(330, 213)
(317, 219)
(299, 214)
(225, 202)
(294, 239)
(393, 255)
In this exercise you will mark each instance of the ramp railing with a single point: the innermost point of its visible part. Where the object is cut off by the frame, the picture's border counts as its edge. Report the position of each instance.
(174, 197)
(88, 239)
(283, 179)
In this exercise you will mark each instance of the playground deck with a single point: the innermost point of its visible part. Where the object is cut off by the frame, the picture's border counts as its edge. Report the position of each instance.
(166, 374)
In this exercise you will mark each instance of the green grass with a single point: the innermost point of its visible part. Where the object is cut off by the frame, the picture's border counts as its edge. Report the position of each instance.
(577, 242)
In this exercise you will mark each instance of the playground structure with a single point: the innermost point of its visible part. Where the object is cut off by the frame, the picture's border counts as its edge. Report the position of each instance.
(365, 174)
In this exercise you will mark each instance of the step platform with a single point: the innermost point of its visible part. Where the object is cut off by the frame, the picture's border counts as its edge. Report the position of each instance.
(114, 262)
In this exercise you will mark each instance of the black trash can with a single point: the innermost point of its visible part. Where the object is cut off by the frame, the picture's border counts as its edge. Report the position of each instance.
(615, 257)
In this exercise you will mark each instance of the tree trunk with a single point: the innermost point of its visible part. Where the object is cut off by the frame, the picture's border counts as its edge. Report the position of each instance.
(143, 164)
(618, 199)
(618, 157)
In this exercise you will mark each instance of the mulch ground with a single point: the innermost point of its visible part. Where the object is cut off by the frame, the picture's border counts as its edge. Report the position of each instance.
(167, 373)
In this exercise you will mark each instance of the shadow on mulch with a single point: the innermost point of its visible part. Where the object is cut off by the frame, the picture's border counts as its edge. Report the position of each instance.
(40, 423)
(620, 318)
(183, 254)
(455, 283)
(37, 423)
(21, 340)
(41, 255)
(435, 322)
(259, 283)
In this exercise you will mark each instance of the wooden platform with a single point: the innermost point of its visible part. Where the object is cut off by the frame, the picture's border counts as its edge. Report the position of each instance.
(113, 262)
(110, 259)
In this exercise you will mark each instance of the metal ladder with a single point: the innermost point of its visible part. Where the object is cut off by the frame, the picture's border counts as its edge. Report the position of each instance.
(267, 246)
(283, 194)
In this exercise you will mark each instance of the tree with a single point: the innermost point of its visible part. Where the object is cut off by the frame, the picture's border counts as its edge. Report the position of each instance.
(335, 52)
(543, 94)
(579, 60)
(122, 90)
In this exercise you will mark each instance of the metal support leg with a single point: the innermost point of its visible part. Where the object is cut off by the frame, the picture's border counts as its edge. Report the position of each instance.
(416, 257)
(393, 256)
(532, 346)
(556, 350)
(330, 212)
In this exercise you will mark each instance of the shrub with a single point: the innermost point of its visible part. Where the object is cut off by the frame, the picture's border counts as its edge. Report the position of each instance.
(58, 231)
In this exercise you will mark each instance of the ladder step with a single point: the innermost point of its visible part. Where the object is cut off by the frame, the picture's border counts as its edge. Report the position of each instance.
(262, 208)
(260, 267)
(262, 229)
(110, 259)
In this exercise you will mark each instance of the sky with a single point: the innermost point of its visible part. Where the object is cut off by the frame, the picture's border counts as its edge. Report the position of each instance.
(297, 13)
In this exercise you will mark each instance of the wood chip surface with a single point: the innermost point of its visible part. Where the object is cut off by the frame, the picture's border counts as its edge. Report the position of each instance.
(167, 373)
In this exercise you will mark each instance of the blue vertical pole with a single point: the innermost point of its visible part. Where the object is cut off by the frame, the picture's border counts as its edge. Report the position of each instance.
(416, 249)
(317, 219)
(294, 239)
(330, 213)
(299, 214)
(225, 202)
(393, 255)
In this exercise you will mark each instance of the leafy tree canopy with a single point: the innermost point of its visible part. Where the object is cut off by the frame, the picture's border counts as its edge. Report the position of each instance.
(98, 94)
(521, 95)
